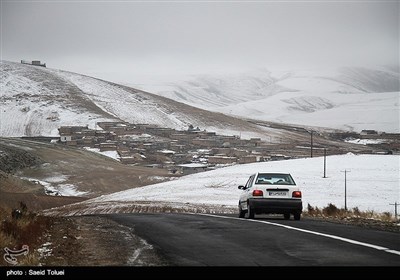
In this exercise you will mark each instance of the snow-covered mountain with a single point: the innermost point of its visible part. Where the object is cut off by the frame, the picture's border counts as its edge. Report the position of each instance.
(350, 98)
(37, 101)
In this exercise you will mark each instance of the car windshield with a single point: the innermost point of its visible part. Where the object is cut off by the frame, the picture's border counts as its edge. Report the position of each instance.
(275, 179)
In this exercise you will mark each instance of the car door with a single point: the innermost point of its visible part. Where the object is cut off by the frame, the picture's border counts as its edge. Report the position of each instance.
(246, 192)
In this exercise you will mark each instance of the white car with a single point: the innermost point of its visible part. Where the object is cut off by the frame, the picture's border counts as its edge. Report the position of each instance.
(270, 193)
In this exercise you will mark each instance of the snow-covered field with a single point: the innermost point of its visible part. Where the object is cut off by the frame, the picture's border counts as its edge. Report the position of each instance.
(55, 186)
(372, 183)
(110, 154)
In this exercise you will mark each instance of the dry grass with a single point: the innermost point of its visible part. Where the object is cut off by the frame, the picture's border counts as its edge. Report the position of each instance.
(29, 229)
(32, 259)
(6, 240)
(339, 213)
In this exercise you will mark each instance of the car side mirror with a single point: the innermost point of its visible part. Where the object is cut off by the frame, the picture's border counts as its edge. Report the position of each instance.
(241, 187)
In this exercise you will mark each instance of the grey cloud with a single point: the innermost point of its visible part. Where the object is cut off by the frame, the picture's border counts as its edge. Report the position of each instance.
(191, 37)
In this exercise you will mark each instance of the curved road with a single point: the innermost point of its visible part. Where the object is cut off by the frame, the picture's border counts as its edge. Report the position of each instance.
(214, 240)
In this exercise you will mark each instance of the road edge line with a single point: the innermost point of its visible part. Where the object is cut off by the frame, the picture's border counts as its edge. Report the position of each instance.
(376, 247)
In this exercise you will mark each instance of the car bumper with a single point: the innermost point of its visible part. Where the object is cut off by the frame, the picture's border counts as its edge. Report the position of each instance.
(275, 205)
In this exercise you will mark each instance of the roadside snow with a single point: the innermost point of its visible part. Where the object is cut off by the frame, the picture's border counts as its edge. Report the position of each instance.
(193, 165)
(365, 141)
(110, 154)
(61, 189)
(45, 250)
(372, 183)
(167, 152)
(69, 190)
(53, 187)
(56, 179)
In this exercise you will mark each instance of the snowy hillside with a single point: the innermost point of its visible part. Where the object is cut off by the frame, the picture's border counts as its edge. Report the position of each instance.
(373, 183)
(33, 102)
(37, 101)
(345, 98)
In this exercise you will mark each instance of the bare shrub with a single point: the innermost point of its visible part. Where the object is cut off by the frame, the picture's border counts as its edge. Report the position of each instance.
(330, 210)
(29, 260)
(356, 211)
(310, 209)
(23, 207)
(6, 240)
(10, 228)
(25, 230)
(33, 229)
(386, 216)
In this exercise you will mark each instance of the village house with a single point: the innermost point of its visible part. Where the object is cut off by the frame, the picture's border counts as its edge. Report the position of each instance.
(70, 133)
(220, 159)
(368, 132)
(33, 62)
(160, 131)
(190, 168)
(108, 146)
(206, 142)
(187, 151)
(249, 159)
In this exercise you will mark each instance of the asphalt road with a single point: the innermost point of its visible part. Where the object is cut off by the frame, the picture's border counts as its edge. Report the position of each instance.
(212, 240)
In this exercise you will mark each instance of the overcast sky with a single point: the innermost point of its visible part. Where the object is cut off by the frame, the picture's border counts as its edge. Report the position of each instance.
(129, 41)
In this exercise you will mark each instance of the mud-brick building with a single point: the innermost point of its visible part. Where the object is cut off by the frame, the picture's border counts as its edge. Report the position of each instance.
(249, 159)
(190, 168)
(70, 133)
(221, 159)
(33, 62)
(108, 146)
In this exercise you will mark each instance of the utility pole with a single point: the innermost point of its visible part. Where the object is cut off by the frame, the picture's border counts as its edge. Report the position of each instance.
(324, 162)
(395, 209)
(311, 143)
(345, 188)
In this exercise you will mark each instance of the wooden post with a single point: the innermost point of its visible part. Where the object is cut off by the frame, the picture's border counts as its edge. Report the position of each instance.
(345, 188)
(324, 162)
(395, 209)
(311, 143)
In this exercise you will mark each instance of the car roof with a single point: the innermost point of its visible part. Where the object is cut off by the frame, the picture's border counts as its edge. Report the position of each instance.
(281, 173)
